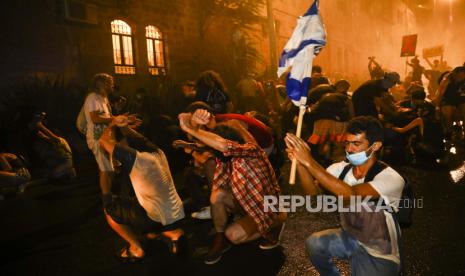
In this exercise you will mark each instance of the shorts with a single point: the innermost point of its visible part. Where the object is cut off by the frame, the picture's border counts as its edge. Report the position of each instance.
(248, 225)
(103, 159)
(127, 211)
(326, 130)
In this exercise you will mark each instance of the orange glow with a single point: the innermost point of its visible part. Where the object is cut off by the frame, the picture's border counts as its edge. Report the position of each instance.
(122, 47)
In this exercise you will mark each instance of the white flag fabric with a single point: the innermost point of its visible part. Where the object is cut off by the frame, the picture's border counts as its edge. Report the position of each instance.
(306, 42)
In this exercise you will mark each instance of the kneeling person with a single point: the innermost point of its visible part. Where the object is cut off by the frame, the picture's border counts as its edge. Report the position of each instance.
(243, 176)
(368, 239)
(157, 207)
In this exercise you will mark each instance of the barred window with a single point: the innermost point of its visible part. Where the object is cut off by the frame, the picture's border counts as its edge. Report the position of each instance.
(155, 51)
(123, 56)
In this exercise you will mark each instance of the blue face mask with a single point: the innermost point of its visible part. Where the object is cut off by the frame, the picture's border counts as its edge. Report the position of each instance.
(358, 158)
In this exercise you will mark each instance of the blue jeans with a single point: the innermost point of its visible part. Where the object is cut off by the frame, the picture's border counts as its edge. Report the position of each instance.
(324, 245)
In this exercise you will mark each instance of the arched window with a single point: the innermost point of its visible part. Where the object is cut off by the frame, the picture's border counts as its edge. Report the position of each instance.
(155, 50)
(122, 47)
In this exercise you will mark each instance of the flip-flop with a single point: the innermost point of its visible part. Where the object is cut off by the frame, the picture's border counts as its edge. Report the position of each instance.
(130, 257)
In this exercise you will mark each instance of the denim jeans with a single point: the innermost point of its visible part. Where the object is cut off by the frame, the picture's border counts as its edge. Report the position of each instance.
(324, 245)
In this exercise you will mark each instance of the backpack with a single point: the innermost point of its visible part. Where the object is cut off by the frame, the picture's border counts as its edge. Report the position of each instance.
(407, 199)
(81, 121)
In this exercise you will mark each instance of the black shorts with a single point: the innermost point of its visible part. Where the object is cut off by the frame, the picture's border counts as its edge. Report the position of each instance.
(128, 211)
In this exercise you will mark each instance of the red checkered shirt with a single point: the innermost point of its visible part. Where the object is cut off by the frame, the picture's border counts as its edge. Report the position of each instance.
(250, 177)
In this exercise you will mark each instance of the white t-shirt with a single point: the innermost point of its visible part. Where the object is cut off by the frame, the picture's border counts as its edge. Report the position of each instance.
(154, 187)
(389, 184)
(99, 103)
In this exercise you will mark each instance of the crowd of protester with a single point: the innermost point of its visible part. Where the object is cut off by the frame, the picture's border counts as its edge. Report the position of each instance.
(230, 149)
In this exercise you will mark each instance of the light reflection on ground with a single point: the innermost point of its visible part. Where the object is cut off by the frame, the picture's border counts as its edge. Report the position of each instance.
(458, 174)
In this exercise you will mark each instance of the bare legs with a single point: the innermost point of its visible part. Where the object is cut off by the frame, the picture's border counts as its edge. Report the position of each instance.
(105, 182)
(242, 230)
(128, 235)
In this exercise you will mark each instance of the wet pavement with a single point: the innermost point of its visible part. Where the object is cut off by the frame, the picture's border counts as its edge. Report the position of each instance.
(59, 229)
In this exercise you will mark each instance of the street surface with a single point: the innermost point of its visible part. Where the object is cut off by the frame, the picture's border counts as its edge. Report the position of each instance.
(59, 229)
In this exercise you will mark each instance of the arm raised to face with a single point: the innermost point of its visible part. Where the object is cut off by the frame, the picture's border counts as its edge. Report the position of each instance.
(208, 138)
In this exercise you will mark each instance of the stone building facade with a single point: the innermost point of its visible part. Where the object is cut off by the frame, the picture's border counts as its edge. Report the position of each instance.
(46, 41)
(73, 39)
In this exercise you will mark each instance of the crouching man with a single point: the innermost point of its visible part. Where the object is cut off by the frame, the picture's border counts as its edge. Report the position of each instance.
(369, 240)
(157, 207)
(243, 176)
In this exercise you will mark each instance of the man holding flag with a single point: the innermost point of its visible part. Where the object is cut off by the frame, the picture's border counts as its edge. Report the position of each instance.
(369, 240)
(306, 42)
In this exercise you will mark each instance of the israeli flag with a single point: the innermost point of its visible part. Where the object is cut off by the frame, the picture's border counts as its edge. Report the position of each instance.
(306, 42)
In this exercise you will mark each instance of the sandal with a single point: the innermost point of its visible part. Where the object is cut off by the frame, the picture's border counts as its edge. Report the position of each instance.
(129, 256)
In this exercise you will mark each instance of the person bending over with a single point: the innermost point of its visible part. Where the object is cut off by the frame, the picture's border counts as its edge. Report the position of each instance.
(157, 207)
(243, 176)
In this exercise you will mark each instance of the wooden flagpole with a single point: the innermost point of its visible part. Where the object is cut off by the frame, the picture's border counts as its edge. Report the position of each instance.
(302, 109)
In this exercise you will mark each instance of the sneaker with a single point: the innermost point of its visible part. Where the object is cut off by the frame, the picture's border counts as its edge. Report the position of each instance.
(204, 213)
(272, 238)
(220, 246)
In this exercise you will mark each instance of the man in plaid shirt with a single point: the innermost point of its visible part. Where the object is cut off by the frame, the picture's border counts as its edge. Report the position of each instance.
(243, 176)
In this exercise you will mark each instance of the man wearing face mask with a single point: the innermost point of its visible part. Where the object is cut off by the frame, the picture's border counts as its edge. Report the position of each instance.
(369, 240)
(367, 96)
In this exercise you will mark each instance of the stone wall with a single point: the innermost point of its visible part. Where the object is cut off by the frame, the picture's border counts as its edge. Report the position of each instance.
(39, 41)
